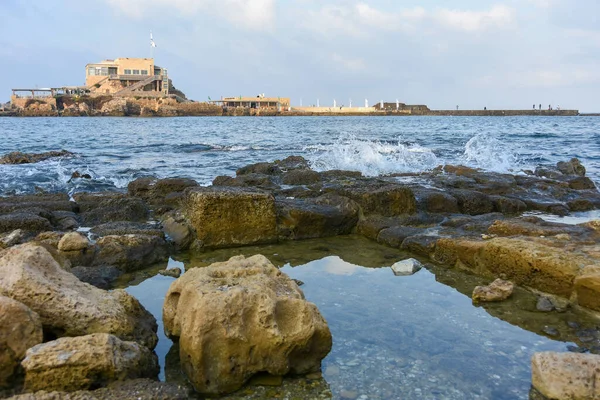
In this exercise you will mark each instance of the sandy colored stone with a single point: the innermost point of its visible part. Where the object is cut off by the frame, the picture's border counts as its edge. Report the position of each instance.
(240, 317)
(20, 329)
(227, 217)
(587, 287)
(84, 362)
(73, 241)
(498, 290)
(572, 376)
(67, 306)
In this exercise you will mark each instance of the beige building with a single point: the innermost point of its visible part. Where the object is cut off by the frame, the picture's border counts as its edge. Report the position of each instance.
(127, 77)
(280, 103)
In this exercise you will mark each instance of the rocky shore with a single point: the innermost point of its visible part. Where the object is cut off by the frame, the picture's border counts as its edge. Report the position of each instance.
(62, 331)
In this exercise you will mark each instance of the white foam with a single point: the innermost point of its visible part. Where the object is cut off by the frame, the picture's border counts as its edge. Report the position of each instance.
(489, 153)
(371, 157)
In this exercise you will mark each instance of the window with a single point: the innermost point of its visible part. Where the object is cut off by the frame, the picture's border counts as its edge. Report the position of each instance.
(91, 71)
(136, 72)
(144, 72)
(127, 72)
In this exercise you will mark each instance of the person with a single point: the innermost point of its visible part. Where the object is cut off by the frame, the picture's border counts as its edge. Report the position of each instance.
(549, 106)
(534, 106)
(484, 108)
(540, 106)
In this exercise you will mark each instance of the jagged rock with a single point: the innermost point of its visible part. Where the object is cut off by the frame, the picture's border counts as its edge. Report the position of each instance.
(86, 362)
(572, 167)
(472, 202)
(112, 209)
(564, 376)
(130, 252)
(50, 238)
(263, 168)
(423, 245)
(498, 290)
(73, 241)
(435, 201)
(240, 317)
(581, 183)
(20, 329)
(102, 276)
(544, 304)
(321, 217)
(16, 157)
(226, 216)
(121, 228)
(300, 177)
(67, 306)
(126, 390)
(25, 221)
(156, 190)
(394, 236)
(384, 199)
(406, 267)
(177, 229)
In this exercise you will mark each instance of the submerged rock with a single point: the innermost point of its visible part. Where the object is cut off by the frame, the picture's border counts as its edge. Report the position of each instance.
(240, 317)
(67, 306)
(498, 290)
(563, 376)
(173, 272)
(86, 362)
(20, 329)
(406, 267)
(17, 157)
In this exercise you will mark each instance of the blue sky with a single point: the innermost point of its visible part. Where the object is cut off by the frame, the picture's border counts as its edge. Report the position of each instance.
(497, 54)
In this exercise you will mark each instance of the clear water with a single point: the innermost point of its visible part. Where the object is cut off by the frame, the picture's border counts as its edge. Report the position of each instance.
(394, 337)
(115, 151)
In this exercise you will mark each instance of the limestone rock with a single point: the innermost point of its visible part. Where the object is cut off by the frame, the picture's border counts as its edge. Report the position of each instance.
(566, 375)
(25, 221)
(73, 241)
(240, 317)
(67, 306)
(173, 272)
(130, 252)
(84, 362)
(12, 238)
(16, 157)
(572, 167)
(227, 216)
(587, 287)
(178, 230)
(406, 267)
(498, 290)
(20, 329)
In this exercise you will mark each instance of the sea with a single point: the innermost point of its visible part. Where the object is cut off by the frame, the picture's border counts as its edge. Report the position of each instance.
(394, 337)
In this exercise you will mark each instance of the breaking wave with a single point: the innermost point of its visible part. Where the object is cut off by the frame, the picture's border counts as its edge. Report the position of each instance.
(489, 153)
(371, 157)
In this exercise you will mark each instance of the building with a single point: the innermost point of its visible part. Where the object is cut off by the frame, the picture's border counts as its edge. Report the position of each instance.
(260, 101)
(127, 77)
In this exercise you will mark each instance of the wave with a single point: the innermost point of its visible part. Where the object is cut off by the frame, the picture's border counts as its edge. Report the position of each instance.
(371, 157)
(489, 153)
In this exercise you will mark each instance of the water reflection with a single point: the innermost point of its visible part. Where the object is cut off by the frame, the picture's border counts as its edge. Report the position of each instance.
(394, 337)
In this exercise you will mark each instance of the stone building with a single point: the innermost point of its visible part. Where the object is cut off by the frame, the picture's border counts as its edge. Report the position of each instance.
(260, 101)
(127, 77)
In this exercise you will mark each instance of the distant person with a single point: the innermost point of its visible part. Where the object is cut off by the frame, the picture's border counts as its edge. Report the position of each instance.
(550, 107)
(534, 106)
(457, 108)
(540, 107)
(484, 108)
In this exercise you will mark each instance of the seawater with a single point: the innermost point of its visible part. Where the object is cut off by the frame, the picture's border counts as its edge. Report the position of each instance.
(115, 151)
(393, 337)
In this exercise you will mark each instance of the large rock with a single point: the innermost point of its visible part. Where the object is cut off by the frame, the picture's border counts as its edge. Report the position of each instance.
(227, 216)
(85, 362)
(498, 290)
(100, 208)
(380, 198)
(25, 221)
(241, 317)
(130, 252)
(587, 287)
(566, 376)
(67, 306)
(16, 157)
(572, 167)
(20, 329)
(73, 241)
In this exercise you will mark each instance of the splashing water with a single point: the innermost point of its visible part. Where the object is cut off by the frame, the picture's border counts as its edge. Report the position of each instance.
(489, 153)
(371, 157)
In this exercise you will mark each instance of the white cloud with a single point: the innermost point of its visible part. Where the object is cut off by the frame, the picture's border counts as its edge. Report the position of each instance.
(499, 16)
(351, 64)
(247, 14)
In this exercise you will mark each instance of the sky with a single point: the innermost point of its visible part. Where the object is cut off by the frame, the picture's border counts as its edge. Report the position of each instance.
(506, 54)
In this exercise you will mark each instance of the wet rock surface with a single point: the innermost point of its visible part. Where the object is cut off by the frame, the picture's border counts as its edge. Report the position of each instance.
(18, 157)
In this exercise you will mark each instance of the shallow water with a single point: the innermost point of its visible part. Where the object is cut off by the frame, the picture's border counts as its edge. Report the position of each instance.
(394, 337)
(115, 151)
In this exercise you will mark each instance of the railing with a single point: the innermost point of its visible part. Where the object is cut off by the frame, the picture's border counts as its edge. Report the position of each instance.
(138, 85)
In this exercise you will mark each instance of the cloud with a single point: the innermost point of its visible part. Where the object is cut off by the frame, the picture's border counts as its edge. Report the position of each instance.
(246, 14)
(499, 16)
(542, 3)
(351, 64)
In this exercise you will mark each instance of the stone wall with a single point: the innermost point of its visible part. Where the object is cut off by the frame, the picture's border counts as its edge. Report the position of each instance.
(38, 106)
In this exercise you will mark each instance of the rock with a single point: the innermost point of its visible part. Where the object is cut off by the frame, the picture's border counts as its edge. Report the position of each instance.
(435, 201)
(20, 329)
(263, 168)
(498, 290)
(13, 238)
(177, 230)
(300, 177)
(329, 215)
(49, 238)
(507, 205)
(226, 217)
(587, 287)
(406, 267)
(292, 162)
(127, 390)
(112, 209)
(551, 331)
(348, 394)
(157, 191)
(16, 157)
(86, 362)
(25, 221)
(121, 228)
(130, 252)
(544, 304)
(73, 241)
(566, 375)
(102, 276)
(64, 220)
(384, 199)
(67, 306)
(241, 317)
(581, 183)
(395, 235)
(423, 245)
(173, 272)
(573, 167)
(472, 202)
